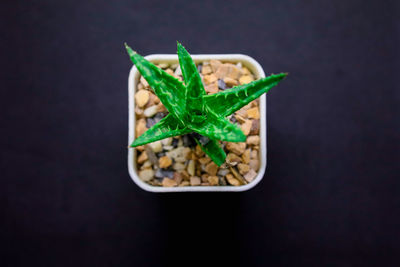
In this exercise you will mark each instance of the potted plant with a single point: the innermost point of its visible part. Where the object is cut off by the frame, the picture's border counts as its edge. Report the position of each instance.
(197, 127)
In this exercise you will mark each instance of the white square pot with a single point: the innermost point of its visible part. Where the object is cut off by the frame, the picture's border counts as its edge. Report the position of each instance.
(246, 61)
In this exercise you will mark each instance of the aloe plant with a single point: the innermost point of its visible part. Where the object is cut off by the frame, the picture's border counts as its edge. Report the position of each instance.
(191, 110)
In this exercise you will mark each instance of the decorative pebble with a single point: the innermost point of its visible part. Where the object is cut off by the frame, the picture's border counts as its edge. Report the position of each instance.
(146, 175)
(178, 166)
(230, 82)
(150, 111)
(209, 79)
(140, 127)
(253, 140)
(231, 180)
(167, 182)
(213, 180)
(164, 162)
(254, 164)
(243, 168)
(253, 113)
(237, 175)
(142, 158)
(195, 181)
(206, 70)
(142, 97)
(255, 127)
(160, 173)
(246, 156)
(250, 175)
(211, 88)
(215, 64)
(144, 82)
(221, 84)
(211, 168)
(191, 168)
(150, 122)
(246, 79)
(246, 127)
(237, 148)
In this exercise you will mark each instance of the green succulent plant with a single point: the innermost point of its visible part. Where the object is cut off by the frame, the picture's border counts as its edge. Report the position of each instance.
(191, 110)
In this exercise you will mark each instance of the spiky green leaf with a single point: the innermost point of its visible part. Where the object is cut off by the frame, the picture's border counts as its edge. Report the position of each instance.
(214, 151)
(227, 102)
(167, 127)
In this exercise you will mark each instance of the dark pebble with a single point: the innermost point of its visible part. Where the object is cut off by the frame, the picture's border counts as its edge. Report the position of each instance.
(175, 142)
(150, 122)
(159, 116)
(199, 67)
(160, 173)
(203, 140)
(188, 141)
(233, 119)
(161, 154)
(221, 84)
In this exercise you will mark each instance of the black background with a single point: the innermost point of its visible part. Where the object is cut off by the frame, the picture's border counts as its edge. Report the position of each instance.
(330, 196)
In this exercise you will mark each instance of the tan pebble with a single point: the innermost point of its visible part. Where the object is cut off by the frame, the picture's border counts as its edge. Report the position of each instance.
(250, 175)
(213, 180)
(151, 101)
(142, 158)
(240, 118)
(228, 70)
(231, 180)
(243, 168)
(163, 65)
(253, 113)
(195, 181)
(248, 106)
(255, 127)
(246, 127)
(245, 79)
(206, 69)
(178, 166)
(140, 148)
(254, 164)
(199, 152)
(242, 112)
(246, 156)
(237, 148)
(184, 183)
(212, 168)
(161, 107)
(253, 140)
(144, 82)
(211, 88)
(245, 71)
(166, 141)
(139, 112)
(185, 175)
(230, 82)
(204, 160)
(170, 72)
(156, 146)
(164, 162)
(150, 111)
(140, 127)
(215, 64)
(146, 175)
(204, 178)
(209, 78)
(140, 86)
(254, 154)
(233, 158)
(156, 100)
(222, 181)
(191, 168)
(177, 177)
(237, 175)
(167, 182)
(146, 165)
(142, 97)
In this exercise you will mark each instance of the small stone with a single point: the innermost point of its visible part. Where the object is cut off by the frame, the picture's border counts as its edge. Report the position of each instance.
(215, 64)
(179, 154)
(237, 175)
(242, 112)
(188, 141)
(204, 160)
(240, 119)
(207, 79)
(150, 111)
(199, 152)
(246, 156)
(230, 82)
(253, 113)
(233, 159)
(142, 158)
(223, 172)
(140, 148)
(174, 66)
(151, 155)
(237, 148)
(206, 70)
(246, 79)
(139, 112)
(195, 181)
(254, 164)
(146, 175)
(250, 175)
(166, 141)
(164, 162)
(185, 175)
(184, 183)
(211, 168)
(152, 100)
(246, 127)
(178, 166)
(160, 173)
(228, 70)
(140, 127)
(255, 127)
(222, 181)
(211, 88)
(161, 107)
(156, 146)
(167, 182)
(204, 178)
(175, 142)
(245, 71)
(163, 65)
(199, 68)
(144, 82)
(159, 116)
(232, 180)
(213, 180)
(142, 97)
(150, 122)
(177, 177)
(146, 165)
(254, 154)
(170, 72)
(243, 168)
(140, 86)
(253, 140)
(221, 84)
(191, 167)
